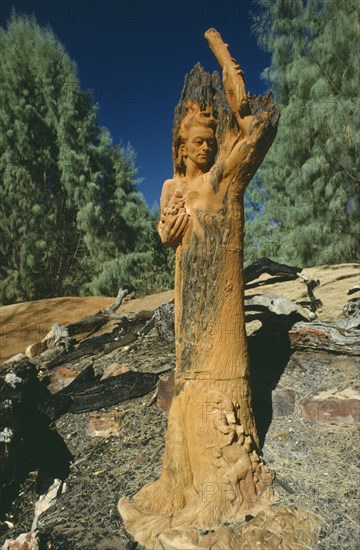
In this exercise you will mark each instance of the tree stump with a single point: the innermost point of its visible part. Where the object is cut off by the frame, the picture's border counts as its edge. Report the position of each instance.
(212, 470)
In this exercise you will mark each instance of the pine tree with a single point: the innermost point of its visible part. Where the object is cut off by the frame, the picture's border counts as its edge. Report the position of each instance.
(304, 206)
(121, 235)
(71, 218)
(47, 126)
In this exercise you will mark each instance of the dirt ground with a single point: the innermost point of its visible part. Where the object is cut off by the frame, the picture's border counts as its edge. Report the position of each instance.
(25, 323)
(316, 464)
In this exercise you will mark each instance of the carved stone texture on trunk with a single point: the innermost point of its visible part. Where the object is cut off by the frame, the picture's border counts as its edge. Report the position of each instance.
(212, 469)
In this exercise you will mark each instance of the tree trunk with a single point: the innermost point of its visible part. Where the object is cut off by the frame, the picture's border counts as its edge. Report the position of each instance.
(211, 471)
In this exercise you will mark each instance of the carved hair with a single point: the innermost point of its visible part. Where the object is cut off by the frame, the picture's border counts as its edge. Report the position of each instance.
(194, 118)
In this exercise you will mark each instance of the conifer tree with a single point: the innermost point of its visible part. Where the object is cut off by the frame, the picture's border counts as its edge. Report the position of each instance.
(303, 207)
(71, 218)
(125, 247)
(47, 126)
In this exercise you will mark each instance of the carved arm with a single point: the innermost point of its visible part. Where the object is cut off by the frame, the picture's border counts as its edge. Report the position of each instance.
(233, 77)
(174, 218)
(249, 151)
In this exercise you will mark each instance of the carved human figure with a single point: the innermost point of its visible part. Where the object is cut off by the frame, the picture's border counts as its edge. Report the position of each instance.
(199, 186)
(212, 470)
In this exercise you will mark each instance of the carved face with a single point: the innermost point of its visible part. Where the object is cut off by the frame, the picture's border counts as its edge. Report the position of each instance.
(200, 145)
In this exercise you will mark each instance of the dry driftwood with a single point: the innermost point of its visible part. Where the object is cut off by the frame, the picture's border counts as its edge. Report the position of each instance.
(274, 303)
(265, 265)
(338, 337)
(95, 322)
(124, 333)
(86, 393)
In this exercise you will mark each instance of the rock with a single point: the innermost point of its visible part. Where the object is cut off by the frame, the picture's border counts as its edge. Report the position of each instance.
(283, 402)
(35, 349)
(166, 388)
(47, 500)
(275, 304)
(333, 405)
(114, 369)
(60, 378)
(26, 541)
(283, 436)
(104, 424)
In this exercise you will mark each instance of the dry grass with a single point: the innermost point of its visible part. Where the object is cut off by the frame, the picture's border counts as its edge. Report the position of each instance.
(320, 462)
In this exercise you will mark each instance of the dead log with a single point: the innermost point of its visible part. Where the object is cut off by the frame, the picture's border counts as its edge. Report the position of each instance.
(124, 294)
(354, 289)
(88, 394)
(338, 337)
(352, 308)
(17, 380)
(311, 284)
(265, 265)
(123, 334)
(95, 322)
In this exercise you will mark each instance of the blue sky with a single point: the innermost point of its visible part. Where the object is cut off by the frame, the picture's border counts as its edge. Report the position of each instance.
(134, 55)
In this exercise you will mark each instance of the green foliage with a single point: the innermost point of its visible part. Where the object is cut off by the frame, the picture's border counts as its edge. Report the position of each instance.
(71, 218)
(303, 208)
(147, 265)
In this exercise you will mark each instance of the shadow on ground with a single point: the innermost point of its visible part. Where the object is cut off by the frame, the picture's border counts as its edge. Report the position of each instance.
(269, 353)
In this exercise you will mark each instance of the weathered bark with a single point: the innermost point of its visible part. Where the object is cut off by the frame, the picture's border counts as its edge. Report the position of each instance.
(339, 337)
(212, 471)
(87, 394)
(124, 333)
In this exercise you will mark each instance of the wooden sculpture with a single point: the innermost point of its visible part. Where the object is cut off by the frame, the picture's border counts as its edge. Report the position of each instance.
(212, 469)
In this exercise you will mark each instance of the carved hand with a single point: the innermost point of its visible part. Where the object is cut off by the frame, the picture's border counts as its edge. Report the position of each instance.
(173, 221)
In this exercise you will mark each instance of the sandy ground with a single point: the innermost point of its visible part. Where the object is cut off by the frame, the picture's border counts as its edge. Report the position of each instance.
(28, 322)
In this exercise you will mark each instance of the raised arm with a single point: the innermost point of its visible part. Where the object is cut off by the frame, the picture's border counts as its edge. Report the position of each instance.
(247, 151)
(233, 79)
